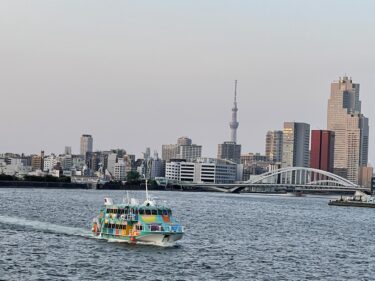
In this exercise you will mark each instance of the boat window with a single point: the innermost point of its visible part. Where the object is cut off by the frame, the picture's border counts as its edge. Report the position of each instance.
(148, 212)
(160, 212)
(169, 213)
(165, 212)
(141, 211)
(154, 212)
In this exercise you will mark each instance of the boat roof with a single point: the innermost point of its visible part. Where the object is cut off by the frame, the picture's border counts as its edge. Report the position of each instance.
(124, 205)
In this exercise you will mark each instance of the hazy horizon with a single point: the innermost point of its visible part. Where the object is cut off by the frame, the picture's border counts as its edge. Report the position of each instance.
(137, 74)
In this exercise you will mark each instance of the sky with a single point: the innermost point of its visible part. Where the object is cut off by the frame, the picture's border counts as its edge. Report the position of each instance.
(139, 74)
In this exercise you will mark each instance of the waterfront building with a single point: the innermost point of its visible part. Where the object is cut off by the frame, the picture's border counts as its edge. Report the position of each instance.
(111, 162)
(322, 150)
(190, 152)
(120, 170)
(254, 164)
(274, 146)
(66, 162)
(365, 176)
(50, 162)
(37, 161)
(86, 144)
(202, 170)
(157, 168)
(351, 128)
(296, 141)
(78, 162)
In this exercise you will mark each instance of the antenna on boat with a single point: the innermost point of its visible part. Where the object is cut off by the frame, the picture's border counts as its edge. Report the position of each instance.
(127, 197)
(147, 198)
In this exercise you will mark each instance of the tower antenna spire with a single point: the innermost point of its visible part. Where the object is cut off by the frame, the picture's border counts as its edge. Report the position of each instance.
(234, 124)
(235, 91)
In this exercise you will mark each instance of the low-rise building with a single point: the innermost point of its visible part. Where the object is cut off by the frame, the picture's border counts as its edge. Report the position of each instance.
(208, 170)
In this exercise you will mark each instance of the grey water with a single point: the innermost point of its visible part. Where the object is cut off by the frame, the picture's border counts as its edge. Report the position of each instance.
(45, 235)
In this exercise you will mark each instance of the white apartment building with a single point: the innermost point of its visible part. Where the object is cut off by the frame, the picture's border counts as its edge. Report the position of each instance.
(120, 171)
(203, 170)
(49, 162)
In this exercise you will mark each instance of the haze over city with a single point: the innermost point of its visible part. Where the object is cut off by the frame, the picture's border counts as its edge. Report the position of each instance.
(138, 74)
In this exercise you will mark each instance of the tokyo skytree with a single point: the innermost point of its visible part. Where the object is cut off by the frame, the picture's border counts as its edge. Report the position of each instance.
(234, 124)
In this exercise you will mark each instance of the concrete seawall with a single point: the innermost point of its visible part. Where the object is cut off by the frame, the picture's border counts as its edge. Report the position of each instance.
(37, 184)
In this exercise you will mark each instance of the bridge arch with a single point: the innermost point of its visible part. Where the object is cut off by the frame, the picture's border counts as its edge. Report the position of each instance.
(301, 176)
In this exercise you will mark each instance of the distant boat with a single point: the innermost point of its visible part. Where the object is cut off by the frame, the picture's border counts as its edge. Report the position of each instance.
(133, 222)
(360, 199)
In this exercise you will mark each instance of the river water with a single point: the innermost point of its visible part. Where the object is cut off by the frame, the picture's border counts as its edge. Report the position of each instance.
(45, 235)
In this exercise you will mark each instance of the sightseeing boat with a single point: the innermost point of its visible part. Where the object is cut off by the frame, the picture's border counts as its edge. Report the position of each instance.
(132, 222)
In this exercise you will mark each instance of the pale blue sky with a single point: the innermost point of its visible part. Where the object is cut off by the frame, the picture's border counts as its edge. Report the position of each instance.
(142, 73)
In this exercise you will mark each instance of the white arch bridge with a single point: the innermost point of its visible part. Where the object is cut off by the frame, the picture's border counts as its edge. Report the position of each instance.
(285, 179)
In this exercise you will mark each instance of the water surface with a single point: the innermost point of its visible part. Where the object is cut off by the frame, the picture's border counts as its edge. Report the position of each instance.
(45, 235)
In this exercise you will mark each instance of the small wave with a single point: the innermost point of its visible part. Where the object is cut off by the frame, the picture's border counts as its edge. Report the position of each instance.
(46, 226)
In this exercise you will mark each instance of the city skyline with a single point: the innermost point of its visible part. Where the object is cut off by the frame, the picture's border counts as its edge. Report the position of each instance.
(159, 150)
(116, 91)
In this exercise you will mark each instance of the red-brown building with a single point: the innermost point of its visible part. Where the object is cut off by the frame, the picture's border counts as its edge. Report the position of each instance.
(322, 150)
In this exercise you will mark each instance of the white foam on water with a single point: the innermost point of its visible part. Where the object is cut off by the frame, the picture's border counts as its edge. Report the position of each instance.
(46, 226)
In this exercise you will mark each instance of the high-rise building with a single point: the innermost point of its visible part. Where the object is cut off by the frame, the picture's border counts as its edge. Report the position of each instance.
(350, 126)
(184, 141)
(120, 170)
(296, 140)
(322, 150)
(229, 151)
(274, 146)
(86, 144)
(169, 151)
(190, 152)
(184, 149)
(111, 162)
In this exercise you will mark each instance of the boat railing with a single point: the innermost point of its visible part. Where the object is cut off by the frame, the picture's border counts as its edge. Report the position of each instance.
(162, 228)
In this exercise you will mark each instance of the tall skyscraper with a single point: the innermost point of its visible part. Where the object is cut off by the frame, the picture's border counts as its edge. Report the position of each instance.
(296, 140)
(86, 144)
(350, 126)
(234, 124)
(322, 150)
(274, 146)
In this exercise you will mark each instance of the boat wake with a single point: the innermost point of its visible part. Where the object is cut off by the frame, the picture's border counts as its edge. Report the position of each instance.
(45, 226)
